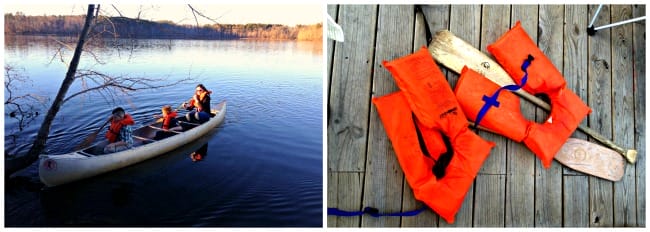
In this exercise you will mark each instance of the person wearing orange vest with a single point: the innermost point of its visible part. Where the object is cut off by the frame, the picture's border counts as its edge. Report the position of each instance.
(120, 133)
(534, 72)
(169, 122)
(426, 125)
(199, 105)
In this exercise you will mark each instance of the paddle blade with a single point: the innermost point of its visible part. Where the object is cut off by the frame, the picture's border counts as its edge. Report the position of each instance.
(89, 140)
(592, 159)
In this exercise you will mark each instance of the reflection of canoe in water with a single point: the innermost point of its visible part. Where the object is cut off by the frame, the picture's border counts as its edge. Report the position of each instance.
(60, 169)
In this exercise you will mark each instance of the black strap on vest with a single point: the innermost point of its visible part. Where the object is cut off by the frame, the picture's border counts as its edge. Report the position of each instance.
(418, 8)
(442, 162)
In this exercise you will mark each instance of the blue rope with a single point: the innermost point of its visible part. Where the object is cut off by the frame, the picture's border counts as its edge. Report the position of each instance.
(373, 212)
(492, 100)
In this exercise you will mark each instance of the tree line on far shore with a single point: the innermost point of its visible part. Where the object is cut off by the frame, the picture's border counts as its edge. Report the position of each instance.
(122, 27)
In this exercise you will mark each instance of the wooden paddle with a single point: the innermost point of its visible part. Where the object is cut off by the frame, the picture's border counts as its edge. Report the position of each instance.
(454, 53)
(91, 138)
(586, 157)
(181, 105)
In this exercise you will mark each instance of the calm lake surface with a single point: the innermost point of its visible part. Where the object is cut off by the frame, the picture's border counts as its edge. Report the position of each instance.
(263, 165)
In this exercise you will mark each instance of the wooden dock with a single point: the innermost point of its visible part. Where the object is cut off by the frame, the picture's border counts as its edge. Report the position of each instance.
(512, 189)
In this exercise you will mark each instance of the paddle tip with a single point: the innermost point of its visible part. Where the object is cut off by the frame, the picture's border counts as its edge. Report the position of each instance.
(630, 155)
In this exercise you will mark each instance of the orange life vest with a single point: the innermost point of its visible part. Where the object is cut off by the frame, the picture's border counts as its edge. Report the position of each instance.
(113, 132)
(201, 101)
(567, 109)
(168, 119)
(427, 102)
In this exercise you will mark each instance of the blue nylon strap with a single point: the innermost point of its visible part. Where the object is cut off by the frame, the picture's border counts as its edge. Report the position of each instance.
(373, 212)
(492, 100)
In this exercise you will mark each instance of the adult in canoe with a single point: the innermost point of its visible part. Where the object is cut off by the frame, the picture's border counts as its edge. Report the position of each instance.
(199, 105)
(120, 133)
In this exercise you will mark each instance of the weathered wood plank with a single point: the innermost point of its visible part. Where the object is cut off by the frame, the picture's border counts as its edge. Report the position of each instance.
(623, 112)
(464, 21)
(488, 212)
(489, 202)
(350, 89)
(600, 191)
(576, 201)
(494, 25)
(520, 162)
(346, 191)
(384, 177)
(575, 59)
(436, 17)
(332, 196)
(638, 37)
(428, 218)
(548, 182)
(576, 205)
(332, 10)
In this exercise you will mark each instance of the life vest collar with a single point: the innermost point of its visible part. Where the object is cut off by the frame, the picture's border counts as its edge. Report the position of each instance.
(168, 118)
(114, 130)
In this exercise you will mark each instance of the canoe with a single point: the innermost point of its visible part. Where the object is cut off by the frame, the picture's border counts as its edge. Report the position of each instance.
(88, 162)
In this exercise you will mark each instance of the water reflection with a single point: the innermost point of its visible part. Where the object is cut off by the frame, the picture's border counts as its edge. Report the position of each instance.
(82, 202)
(263, 166)
(199, 154)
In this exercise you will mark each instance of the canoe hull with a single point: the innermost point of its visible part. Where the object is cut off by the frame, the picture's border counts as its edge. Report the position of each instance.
(60, 169)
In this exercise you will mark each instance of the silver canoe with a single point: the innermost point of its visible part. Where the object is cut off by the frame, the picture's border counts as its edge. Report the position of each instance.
(60, 169)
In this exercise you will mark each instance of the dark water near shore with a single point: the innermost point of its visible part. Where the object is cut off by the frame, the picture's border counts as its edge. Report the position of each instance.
(263, 165)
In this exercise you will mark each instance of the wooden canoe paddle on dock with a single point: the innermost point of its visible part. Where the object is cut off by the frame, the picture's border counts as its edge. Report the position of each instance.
(587, 157)
(454, 53)
(580, 155)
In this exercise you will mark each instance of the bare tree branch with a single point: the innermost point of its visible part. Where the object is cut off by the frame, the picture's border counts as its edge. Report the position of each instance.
(69, 47)
(111, 85)
(97, 12)
(118, 11)
(23, 108)
(202, 15)
(193, 13)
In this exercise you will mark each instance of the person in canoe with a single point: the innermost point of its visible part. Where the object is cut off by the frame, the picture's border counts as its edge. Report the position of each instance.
(120, 133)
(169, 122)
(199, 105)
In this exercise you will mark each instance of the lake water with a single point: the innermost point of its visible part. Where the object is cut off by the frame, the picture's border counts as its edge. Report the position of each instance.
(263, 165)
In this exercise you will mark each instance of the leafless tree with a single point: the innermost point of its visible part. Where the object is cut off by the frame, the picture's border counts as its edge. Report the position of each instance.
(91, 81)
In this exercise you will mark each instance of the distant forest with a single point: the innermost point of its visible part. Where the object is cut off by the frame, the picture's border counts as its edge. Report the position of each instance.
(122, 27)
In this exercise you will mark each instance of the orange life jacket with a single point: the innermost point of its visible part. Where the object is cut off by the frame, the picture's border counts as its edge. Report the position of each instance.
(168, 119)
(113, 132)
(567, 109)
(201, 101)
(426, 94)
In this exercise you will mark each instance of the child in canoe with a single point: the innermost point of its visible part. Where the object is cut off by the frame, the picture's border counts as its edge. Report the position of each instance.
(169, 122)
(120, 133)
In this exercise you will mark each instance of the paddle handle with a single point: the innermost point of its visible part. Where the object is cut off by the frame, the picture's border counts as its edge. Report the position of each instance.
(181, 105)
(91, 137)
(102, 127)
(454, 53)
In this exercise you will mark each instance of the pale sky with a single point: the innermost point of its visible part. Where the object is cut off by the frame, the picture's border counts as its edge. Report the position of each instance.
(287, 14)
